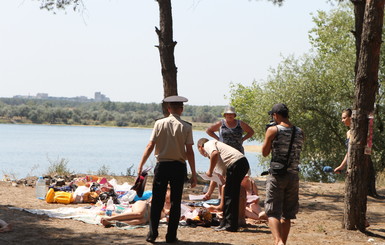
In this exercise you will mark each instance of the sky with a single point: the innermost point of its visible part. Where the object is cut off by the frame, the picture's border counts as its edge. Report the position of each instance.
(109, 47)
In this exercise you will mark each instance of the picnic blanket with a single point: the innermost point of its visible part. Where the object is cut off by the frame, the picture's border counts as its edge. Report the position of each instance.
(87, 215)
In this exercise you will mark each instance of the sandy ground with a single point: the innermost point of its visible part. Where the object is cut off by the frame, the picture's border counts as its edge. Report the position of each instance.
(319, 222)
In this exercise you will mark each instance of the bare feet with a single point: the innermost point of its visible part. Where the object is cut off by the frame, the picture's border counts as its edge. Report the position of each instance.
(105, 222)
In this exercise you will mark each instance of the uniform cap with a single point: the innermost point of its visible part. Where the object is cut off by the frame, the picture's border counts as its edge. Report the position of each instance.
(175, 98)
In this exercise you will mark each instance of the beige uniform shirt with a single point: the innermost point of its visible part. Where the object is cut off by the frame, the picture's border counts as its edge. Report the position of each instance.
(170, 135)
(227, 154)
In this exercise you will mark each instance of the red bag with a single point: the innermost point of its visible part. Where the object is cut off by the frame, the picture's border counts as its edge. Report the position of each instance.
(140, 182)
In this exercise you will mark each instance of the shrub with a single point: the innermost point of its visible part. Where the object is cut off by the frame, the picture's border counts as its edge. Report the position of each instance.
(58, 167)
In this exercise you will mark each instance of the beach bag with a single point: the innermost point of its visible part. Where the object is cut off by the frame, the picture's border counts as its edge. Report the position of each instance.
(278, 168)
(140, 182)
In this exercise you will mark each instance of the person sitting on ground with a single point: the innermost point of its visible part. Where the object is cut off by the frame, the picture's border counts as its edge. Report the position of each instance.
(251, 209)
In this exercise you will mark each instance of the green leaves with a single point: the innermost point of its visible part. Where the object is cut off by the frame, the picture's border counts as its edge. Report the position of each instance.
(316, 87)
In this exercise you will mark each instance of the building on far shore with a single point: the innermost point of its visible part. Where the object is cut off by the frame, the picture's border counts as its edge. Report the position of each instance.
(99, 97)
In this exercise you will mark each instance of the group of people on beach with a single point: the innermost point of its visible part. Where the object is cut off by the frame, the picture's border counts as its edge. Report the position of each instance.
(172, 141)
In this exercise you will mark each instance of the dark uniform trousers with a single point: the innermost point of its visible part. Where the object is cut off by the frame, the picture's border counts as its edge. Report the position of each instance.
(173, 173)
(234, 176)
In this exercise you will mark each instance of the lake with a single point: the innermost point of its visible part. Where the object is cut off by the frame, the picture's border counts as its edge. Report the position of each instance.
(28, 149)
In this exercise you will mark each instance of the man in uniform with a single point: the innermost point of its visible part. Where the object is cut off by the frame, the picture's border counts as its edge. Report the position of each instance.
(173, 140)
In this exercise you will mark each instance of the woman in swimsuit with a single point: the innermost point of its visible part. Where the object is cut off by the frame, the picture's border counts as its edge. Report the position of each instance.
(138, 214)
(346, 119)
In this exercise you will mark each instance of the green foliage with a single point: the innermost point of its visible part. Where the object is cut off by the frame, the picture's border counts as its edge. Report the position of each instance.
(316, 87)
(121, 114)
(58, 167)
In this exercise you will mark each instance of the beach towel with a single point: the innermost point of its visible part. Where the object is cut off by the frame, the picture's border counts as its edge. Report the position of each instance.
(85, 214)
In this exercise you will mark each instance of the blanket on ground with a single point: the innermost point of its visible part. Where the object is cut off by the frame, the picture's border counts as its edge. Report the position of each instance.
(84, 214)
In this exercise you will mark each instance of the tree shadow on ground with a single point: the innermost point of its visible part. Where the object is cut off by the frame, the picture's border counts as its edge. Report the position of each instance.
(37, 229)
(257, 229)
(31, 229)
(376, 235)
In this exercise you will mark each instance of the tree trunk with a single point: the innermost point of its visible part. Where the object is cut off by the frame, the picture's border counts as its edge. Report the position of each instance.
(166, 50)
(359, 12)
(366, 81)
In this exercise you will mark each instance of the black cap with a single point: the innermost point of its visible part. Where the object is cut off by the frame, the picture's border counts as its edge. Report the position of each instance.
(280, 109)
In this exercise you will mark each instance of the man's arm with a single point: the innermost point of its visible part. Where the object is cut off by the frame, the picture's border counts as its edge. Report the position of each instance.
(213, 161)
(149, 148)
(269, 136)
(191, 161)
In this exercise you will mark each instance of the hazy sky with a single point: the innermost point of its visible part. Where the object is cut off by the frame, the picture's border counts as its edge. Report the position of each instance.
(109, 47)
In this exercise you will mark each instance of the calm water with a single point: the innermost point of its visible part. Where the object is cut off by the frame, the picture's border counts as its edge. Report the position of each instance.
(27, 149)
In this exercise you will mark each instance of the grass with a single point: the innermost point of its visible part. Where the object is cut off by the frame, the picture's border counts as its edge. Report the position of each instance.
(103, 170)
(58, 167)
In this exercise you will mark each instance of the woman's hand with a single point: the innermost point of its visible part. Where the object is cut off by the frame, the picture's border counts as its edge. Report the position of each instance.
(338, 169)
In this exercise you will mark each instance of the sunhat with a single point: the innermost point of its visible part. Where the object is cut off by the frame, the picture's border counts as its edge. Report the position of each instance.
(229, 110)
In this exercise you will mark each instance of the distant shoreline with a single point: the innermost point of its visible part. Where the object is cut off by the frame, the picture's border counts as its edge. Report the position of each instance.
(12, 122)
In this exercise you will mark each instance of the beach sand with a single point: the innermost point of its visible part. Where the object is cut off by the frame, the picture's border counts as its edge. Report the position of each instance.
(318, 222)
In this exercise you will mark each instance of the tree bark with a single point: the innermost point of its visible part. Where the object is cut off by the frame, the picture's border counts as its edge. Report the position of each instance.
(166, 50)
(359, 12)
(366, 87)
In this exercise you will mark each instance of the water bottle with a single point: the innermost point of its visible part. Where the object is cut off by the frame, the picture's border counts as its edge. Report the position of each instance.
(110, 207)
(41, 189)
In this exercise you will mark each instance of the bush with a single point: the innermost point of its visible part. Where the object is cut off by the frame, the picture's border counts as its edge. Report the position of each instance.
(103, 170)
(59, 167)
